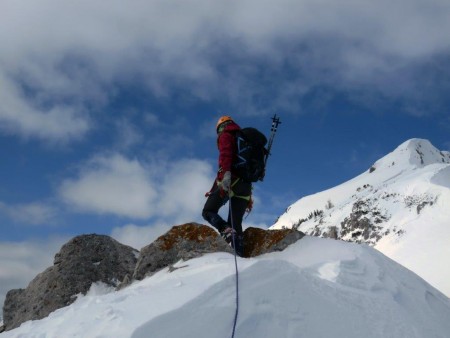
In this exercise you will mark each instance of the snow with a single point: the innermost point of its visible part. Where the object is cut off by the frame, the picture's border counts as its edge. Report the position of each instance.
(406, 195)
(315, 288)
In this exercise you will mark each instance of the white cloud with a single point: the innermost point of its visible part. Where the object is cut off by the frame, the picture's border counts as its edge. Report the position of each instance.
(76, 52)
(19, 116)
(139, 236)
(120, 186)
(112, 185)
(168, 193)
(182, 193)
(34, 213)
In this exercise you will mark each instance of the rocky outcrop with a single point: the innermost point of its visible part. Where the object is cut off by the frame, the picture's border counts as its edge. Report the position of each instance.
(259, 241)
(80, 262)
(93, 258)
(363, 224)
(182, 242)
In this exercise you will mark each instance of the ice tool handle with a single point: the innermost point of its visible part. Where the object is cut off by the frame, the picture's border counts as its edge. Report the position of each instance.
(275, 122)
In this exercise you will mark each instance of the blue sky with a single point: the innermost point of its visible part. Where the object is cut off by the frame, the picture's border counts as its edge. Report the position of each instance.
(107, 113)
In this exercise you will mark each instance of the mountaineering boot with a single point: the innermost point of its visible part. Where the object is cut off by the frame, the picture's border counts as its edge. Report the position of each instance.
(227, 234)
(215, 220)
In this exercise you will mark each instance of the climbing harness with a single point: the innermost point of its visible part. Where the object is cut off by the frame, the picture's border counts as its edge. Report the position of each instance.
(231, 193)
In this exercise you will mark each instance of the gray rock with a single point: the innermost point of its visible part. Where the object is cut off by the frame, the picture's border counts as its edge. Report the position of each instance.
(259, 241)
(182, 242)
(80, 262)
(95, 258)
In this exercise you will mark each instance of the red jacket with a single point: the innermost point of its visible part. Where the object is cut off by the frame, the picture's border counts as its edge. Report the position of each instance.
(226, 142)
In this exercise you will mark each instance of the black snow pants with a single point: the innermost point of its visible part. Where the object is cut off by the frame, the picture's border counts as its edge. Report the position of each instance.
(240, 196)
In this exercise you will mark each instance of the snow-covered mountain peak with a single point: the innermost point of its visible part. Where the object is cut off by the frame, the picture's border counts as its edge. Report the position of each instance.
(399, 206)
(413, 153)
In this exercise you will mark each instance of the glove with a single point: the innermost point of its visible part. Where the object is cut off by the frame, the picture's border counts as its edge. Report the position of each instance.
(225, 184)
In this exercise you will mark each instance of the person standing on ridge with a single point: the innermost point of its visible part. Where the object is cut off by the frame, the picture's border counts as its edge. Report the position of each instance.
(228, 186)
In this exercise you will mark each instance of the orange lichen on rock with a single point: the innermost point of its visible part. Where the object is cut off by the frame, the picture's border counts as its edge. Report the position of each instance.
(259, 241)
(190, 231)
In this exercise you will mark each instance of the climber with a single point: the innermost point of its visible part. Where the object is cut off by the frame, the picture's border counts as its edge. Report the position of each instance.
(228, 186)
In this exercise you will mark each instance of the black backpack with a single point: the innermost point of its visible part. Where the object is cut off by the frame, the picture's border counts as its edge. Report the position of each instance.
(251, 152)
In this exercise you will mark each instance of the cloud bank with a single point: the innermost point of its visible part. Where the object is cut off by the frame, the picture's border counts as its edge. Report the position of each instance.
(19, 115)
(60, 60)
(116, 185)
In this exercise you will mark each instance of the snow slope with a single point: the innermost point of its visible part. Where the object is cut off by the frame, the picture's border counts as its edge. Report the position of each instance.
(315, 288)
(400, 206)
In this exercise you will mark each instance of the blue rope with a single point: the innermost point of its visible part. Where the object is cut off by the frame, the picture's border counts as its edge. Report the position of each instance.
(237, 272)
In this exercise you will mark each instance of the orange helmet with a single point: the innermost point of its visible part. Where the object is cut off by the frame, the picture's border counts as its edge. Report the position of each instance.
(222, 120)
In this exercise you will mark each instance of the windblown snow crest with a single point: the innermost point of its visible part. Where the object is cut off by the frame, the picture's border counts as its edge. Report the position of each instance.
(399, 206)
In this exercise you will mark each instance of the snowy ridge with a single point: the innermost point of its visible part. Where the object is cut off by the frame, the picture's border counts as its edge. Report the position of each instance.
(315, 288)
(399, 206)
